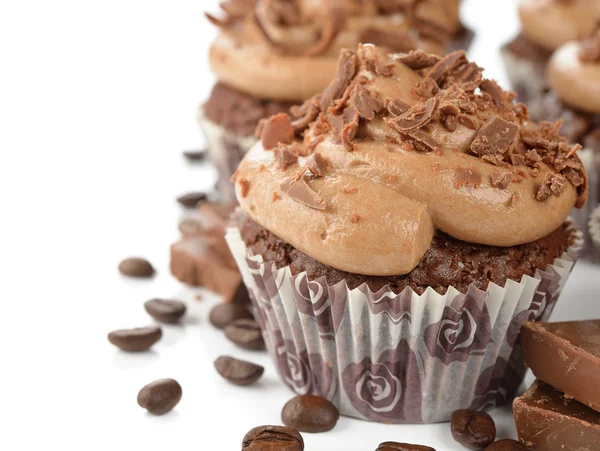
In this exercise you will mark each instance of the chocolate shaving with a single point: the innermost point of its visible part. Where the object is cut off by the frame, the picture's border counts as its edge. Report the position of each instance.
(417, 117)
(495, 91)
(300, 192)
(446, 65)
(347, 67)
(417, 59)
(365, 102)
(467, 122)
(467, 176)
(304, 114)
(425, 88)
(553, 184)
(423, 141)
(501, 180)
(394, 41)
(285, 156)
(317, 164)
(350, 128)
(450, 123)
(276, 129)
(396, 107)
(495, 137)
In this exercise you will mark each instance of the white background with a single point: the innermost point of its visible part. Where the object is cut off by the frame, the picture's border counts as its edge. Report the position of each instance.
(97, 101)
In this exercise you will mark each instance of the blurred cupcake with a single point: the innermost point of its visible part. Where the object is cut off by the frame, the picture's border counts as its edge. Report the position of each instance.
(394, 242)
(272, 54)
(545, 26)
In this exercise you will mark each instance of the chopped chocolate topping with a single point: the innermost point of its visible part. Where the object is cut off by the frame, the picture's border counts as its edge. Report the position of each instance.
(355, 218)
(347, 67)
(416, 117)
(425, 89)
(450, 122)
(501, 180)
(467, 176)
(245, 187)
(365, 102)
(553, 184)
(495, 137)
(350, 190)
(350, 128)
(516, 159)
(304, 114)
(418, 59)
(590, 49)
(446, 65)
(303, 194)
(277, 129)
(424, 142)
(395, 41)
(532, 157)
(285, 156)
(396, 107)
(317, 164)
(495, 91)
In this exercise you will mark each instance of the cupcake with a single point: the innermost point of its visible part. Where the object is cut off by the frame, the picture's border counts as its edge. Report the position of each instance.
(273, 54)
(545, 26)
(394, 240)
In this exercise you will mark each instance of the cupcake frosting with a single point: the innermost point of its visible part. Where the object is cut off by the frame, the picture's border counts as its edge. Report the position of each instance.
(574, 74)
(398, 145)
(551, 23)
(287, 49)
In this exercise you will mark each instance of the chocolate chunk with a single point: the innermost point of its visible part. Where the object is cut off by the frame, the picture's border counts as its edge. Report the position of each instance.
(191, 200)
(395, 446)
(195, 155)
(495, 91)
(160, 396)
(351, 119)
(507, 445)
(567, 356)
(396, 107)
(285, 156)
(553, 184)
(271, 438)
(347, 67)
(135, 340)
(277, 129)
(472, 429)
(317, 164)
(165, 310)
(469, 76)
(136, 267)
(217, 214)
(365, 102)
(446, 65)
(244, 187)
(423, 141)
(450, 122)
(418, 116)
(495, 137)
(425, 88)
(548, 420)
(303, 194)
(310, 413)
(516, 159)
(394, 41)
(467, 176)
(224, 314)
(418, 59)
(238, 372)
(246, 334)
(304, 114)
(501, 180)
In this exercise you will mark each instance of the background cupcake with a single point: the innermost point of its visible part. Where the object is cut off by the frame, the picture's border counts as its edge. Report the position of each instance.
(273, 54)
(394, 242)
(545, 26)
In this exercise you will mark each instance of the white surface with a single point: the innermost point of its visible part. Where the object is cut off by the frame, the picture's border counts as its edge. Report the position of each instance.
(97, 100)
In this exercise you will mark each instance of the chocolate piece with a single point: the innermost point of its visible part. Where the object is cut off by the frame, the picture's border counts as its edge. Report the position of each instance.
(195, 155)
(165, 310)
(238, 372)
(285, 156)
(267, 438)
(495, 91)
(191, 200)
(136, 267)
(246, 334)
(553, 184)
(547, 420)
(310, 413)
(277, 129)
(472, 429)
(303, 194)
(418, 59)
(567, 356)
(160, 396)
(365, 102)
(224, 314)
(495, 137)
(316, 164)
(135, 340)
(395, 446)
(501, 180)
(416, 117)
(446, 65)
(304, 114)
(347, 66)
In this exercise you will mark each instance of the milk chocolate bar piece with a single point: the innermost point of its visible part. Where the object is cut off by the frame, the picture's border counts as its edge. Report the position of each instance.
(567, 356)
(548, 421)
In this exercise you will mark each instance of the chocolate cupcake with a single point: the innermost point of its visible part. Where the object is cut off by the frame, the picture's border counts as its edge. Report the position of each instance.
(273, 54)
(395, 239)
(545, 25)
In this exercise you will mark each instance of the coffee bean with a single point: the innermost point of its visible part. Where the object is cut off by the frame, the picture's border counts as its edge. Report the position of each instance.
(395, 446)
(238, 372)
(190, 227)
(245, 333)
(507, 445)
(224, 314)
(195, 155)
(190, 200)
(273, 438)
(165, 310)
(310, 413)
(136, 267)
(472, 429)
(160, 396)
(135, 340)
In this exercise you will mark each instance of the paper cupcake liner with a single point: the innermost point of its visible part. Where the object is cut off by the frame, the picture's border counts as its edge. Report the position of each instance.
(225, 150)
(594, 229)
(397, 358)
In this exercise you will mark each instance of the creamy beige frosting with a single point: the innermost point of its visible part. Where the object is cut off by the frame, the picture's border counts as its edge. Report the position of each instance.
(551, 23)
(244, 57)
(376, 207)
(577, 83)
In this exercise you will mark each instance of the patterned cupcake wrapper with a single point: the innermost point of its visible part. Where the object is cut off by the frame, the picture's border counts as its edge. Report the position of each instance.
(225, 150)
(397, 358)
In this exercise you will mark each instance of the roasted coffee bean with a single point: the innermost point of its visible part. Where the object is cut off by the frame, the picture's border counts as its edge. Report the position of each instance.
(310, 413)
(507, 445)
(165, 310)
(245, 333)
(273, 438)
(160, 396)
(395, 446)
(238, 372)
(136, 267)
(195, 155)
(190, 200)
(472, 429)
(224, 314)
(135, 340)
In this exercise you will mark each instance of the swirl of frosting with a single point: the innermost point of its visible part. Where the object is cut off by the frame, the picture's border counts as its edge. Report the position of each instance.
(574, 74)
(551, 23)
(287, 49)
(397, 146)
